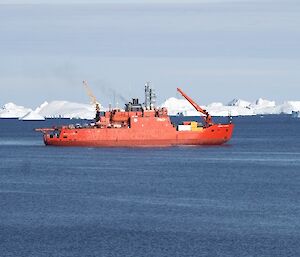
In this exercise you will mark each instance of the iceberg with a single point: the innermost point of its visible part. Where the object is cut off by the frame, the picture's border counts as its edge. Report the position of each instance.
(183, 107)
(290, 106)
(239, 103)
(176, 106)
(32, 116)
(263, 103)
(70, 110)
(64, 109)
(262, 106)
(39, 108)
(11, 110)
(236, 107)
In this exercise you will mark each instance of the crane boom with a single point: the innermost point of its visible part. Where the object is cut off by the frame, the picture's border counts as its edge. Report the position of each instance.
(93, 98)
(207, 117)
(90, 93)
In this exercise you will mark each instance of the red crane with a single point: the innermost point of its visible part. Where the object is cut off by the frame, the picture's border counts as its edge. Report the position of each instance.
(207, 117)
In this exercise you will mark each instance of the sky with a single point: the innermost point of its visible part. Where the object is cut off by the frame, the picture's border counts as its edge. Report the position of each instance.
(214, 50)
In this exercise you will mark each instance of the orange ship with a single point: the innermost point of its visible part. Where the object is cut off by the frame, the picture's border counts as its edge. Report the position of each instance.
(138, 126)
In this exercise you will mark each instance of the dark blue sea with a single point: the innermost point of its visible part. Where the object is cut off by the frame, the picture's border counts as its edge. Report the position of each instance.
(240, 199)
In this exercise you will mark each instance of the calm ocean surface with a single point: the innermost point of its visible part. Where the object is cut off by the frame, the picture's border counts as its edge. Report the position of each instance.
(242, 199)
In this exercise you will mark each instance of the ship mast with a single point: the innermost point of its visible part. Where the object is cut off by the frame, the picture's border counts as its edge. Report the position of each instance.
(150, 97)
(207, 117)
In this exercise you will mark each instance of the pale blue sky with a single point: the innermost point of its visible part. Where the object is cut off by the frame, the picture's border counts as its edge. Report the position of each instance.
(214, 50)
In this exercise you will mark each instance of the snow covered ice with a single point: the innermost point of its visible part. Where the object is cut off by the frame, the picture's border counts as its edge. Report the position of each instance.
(32, 116)
(236, 107)
(11, 110)
(65, 109)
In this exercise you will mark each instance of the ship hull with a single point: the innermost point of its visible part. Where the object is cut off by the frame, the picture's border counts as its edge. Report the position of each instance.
(163, 136)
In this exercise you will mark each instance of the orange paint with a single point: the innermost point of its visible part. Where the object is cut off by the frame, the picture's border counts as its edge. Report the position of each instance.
(137, 128)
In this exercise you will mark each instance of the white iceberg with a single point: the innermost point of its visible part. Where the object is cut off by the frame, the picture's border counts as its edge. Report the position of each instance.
(263, 103)
(289, 106)
(236, 107)
(239, 103)
(183, 107)
(32, 116)
(64, 109)
(176, 106)
(11, 110)
(262, 106)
